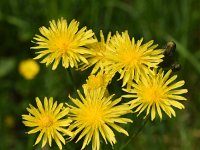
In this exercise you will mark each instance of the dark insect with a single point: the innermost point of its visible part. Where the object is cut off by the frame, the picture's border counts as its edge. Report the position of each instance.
(169, 61)
(170, 49)
(176, 67)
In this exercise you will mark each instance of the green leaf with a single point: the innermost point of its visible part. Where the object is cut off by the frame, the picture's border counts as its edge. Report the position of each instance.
(6, 66)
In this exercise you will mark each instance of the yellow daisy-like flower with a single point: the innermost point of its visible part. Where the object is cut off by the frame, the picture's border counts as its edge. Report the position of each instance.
(95, 82)
(29, 68)
(50, 121)
(155, 92)
(101, 80)
(132, 59)
(97, 55)
(63, 41)
(96, 115)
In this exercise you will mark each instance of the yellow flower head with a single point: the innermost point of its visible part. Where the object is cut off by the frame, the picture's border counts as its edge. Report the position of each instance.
(97, 55)
(95, 82)
(50, 121)
(156, 92)
(132, 59)
(29, 68)
(101, 80)
(63, 42)
(96, 115)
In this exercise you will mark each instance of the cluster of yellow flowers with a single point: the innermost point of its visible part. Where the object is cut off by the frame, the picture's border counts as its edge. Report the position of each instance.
(96, 113)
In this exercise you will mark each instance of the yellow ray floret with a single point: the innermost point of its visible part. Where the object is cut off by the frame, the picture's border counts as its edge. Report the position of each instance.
(157, 92)
(50, 120)
(96, 115)
(63, 42)
(132, 59)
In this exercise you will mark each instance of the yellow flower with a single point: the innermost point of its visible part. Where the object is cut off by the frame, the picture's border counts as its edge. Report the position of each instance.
(50, 121)
(96, 115)
(155, 92)
(63, 42)
(101, 80)
(29, 68)
(97, 56)
(9, 121)
(132, 59)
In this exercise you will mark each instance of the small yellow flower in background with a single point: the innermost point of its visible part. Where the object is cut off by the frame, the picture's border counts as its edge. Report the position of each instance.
(9, 121)
(156, 92)
(97, 55)
(50, 120)
(63, 42)
(96, 115)
(132, 59)
(29, 68)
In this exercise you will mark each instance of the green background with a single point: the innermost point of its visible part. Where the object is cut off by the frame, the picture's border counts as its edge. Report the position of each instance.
(160, 20)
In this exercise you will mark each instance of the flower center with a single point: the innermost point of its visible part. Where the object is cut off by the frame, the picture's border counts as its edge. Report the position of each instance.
(46, 121)
(60, 43)
(93, 115)
(63, 46)
(130, 57)
(152, 94)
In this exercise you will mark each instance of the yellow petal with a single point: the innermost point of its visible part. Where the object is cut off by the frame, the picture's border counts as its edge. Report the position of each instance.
(39, 137)
(153, 112)
(44, 141)
(39, 104)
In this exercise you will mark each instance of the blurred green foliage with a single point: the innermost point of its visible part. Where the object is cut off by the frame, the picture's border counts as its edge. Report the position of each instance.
(160, 20)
